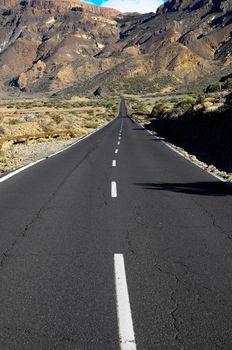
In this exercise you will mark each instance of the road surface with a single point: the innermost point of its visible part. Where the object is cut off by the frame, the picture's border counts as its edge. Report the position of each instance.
(115, 243)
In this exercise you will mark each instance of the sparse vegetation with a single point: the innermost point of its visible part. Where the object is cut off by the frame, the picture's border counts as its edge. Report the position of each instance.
(228, 84)
(13, 121)
(214, 87)
(91, 125)
(218, 86)
(202, 126)
(57, 118)
(30, 122)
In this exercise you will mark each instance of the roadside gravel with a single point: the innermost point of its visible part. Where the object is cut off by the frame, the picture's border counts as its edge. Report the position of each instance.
(22, 154)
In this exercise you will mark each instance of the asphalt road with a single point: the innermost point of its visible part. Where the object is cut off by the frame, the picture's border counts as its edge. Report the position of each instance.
(63, 220)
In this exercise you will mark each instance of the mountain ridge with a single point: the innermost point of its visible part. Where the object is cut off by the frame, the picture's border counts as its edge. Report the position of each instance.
(63, 46)
(60, 6)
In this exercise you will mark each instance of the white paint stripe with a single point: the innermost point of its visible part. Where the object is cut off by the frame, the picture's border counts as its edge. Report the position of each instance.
(125, 323)
(113, 189)
(118, 142)
(169, 145)
(172, 147)
(119, 138)
(13, 173)
(114, 163)
(116, 151)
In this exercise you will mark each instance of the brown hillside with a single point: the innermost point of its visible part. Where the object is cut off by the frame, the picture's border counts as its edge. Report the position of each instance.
(70, 46)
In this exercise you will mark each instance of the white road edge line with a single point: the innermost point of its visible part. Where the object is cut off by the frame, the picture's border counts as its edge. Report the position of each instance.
(114, 163)
(116, 151)
(125, 323)
(15, 172)
(114, 189)
(169, 145)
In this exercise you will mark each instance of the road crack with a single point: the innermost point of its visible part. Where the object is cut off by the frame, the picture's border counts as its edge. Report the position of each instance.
(37, 216)
(173, 314)
(173, 300)
(129, 244)
(213, 220)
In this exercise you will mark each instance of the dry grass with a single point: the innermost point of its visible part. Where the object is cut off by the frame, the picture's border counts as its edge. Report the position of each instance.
(35, 121)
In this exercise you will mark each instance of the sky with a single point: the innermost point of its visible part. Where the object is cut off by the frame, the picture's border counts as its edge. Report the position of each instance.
(142, 6)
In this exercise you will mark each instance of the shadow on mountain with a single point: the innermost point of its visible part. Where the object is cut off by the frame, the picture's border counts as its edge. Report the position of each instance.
(195, 188)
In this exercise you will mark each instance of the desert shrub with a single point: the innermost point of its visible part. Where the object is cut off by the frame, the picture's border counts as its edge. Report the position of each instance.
(13, 121)
(57, 118)
(161, 109)
(228, 84)
(46, 126)
(91, 125)
(99, 115)
(90, 112)
(140, 108)
(186, 104)
(3, 159)
(109, 117)
(2, 130)
(214, 87)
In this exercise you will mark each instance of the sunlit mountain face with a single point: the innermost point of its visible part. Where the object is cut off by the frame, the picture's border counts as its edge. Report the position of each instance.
(74, 47)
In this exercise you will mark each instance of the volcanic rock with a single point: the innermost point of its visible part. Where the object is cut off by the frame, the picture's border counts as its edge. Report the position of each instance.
(75, 47)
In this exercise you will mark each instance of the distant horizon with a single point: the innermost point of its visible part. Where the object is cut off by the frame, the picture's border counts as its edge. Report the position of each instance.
(142, 6)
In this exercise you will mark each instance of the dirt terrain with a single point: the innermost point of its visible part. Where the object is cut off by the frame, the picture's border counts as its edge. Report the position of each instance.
(32, 129)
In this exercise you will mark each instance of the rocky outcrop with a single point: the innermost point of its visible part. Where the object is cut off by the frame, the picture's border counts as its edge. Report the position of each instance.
(60, 6)
(75, 5)
(82, 46)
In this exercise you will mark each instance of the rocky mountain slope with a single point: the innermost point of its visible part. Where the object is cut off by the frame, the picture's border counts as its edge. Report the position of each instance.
(72, 47)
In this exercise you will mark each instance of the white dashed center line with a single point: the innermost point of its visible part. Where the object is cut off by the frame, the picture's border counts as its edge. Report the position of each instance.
(118, 142)
(114, 163)
(116, 151)
(113, 189)
(125, 323)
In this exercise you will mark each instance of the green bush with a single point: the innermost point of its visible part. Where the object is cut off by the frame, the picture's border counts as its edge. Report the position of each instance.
(57, 118)
(161, 109)
(186, 104)
(214, 87)
(91, 125)
(13, 121)
(228, 84)
(2, 131)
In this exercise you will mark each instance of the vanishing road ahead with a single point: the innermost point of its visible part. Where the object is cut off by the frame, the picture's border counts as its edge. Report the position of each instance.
(116, 243)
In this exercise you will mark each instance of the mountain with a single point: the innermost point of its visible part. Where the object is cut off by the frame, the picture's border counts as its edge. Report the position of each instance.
(72, 47)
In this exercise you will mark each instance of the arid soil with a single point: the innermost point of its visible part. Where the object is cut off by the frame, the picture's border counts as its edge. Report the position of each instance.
(33, 129)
